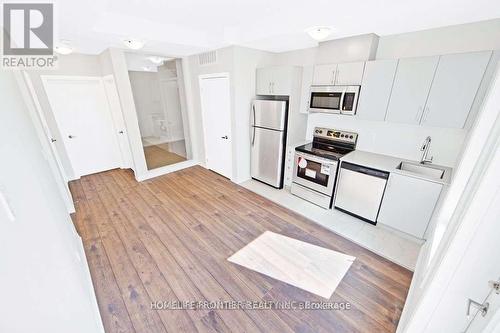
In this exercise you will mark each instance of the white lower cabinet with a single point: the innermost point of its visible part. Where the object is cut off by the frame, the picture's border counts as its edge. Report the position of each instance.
(408, 204)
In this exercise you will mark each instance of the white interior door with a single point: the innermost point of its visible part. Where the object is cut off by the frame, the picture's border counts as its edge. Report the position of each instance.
(216, 107)
(118, 121)
(172, 109)
(82, 113)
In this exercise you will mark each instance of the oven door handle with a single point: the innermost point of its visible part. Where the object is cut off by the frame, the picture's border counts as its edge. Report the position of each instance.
(316, 159)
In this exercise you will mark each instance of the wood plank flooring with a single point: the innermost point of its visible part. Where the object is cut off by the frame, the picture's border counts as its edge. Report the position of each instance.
(167, 239)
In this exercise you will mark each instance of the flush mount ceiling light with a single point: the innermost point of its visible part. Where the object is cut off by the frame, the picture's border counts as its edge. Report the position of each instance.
(64, 48)
(133, 44)
(157, 60)
(319, 33)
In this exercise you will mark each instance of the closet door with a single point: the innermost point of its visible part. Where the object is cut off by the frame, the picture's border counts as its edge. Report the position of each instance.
(83, 117)
(411, 87)
(454, 88)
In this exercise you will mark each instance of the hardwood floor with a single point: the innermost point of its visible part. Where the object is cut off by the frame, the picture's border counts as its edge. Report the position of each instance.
(167, 239)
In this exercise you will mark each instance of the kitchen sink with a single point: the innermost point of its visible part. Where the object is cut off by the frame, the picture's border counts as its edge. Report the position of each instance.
(422, 170)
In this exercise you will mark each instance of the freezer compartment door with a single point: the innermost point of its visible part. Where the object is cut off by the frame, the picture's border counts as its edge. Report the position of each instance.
(267, 156)
(269, 114)
(360, 194)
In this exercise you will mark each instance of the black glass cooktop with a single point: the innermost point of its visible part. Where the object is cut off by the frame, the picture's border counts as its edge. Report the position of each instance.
(328, 151)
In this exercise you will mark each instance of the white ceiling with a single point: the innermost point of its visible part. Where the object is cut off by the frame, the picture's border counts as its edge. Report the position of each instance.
(186, 27)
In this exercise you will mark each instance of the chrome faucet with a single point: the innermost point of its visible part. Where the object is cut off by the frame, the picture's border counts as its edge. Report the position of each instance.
(425, 148)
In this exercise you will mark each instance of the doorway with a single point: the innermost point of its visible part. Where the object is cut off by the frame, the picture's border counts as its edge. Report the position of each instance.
(215, 96)
(81, 110)
(155, 88)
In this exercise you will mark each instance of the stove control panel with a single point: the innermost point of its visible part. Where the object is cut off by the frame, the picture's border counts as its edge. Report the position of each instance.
(336, 135)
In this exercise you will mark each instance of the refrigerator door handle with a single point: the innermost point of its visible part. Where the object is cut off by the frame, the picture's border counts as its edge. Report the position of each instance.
(253, 124)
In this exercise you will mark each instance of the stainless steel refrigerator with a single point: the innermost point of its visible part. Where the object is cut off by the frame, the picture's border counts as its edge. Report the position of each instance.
(268, 139)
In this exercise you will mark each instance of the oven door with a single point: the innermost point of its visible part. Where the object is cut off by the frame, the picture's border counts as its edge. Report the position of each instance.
(325, 99)
(315, 172)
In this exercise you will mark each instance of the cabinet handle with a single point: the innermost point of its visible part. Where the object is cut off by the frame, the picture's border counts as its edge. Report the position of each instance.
(333, 78)
(270, 88)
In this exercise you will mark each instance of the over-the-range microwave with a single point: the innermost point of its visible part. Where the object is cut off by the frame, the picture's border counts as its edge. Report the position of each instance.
(334, 99)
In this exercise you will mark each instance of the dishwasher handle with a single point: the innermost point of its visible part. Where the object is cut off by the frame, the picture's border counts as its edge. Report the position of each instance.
(365, 170)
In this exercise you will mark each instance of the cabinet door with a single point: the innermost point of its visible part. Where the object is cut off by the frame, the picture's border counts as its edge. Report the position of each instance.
(408, 204)
(350, 73)
(376, 89)
(324, 74)
(411, 88)
(282, 80)
(263, 81)
(454, 88)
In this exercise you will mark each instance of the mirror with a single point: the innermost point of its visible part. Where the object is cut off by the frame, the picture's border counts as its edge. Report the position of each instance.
(155, 82)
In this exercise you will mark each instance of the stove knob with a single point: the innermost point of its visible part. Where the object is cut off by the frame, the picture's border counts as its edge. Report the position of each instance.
(342, 135)
(351, 137)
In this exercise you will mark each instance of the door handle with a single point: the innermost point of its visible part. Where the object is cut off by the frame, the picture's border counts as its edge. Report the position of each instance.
(224, 137)
(120, 132)
(71, 136)
(52, 140)
(482, 307)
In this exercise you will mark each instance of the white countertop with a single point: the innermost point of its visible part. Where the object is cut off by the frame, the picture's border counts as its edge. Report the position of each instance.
(390, 163)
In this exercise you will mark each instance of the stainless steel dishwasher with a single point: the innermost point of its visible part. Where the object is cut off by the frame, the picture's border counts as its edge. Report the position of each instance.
(360, 191)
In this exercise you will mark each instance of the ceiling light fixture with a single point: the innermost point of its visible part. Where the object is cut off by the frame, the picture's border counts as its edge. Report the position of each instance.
(319, 33)
(64, 48)
(133, 44)
(157, 60)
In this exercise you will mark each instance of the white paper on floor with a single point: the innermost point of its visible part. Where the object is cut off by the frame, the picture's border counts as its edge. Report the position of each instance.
(300, 264)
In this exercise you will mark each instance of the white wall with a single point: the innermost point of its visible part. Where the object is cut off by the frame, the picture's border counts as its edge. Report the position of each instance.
(240, 63)
(478, 36)
(46, 287)
(395, 139)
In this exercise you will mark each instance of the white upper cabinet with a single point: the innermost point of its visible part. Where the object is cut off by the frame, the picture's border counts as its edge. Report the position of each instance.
(376, 89)
(277, 80)
(263, 81)
(324, 74)
(282, 80)
(350, 73)
(410, 90)
(454, 88)
(413, 196)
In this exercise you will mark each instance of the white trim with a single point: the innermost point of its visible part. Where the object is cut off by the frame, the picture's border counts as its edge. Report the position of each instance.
(222, 75)
(44, 134)
(166, 170)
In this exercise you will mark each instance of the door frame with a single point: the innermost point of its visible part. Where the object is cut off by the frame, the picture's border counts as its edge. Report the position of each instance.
(45, 136)
(222, 75)
(47, 77)
(126, 153)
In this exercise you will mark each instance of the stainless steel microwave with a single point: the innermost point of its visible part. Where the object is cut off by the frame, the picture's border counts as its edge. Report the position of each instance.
(334, 99)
